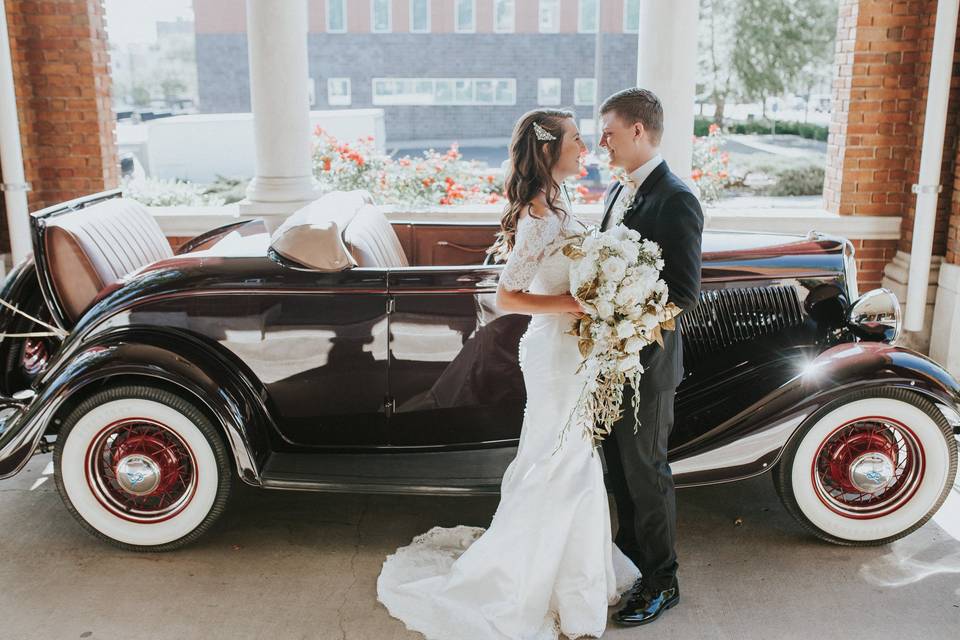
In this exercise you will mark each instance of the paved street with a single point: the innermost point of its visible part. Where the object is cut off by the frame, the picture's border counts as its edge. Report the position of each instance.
(302, 565)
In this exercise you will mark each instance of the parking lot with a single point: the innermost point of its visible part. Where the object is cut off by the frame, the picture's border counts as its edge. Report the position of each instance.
(304, 565)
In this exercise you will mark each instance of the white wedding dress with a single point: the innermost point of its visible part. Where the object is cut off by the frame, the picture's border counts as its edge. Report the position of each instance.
(546, 565)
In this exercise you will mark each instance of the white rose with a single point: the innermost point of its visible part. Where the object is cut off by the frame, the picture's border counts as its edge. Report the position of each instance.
(604, 309)
(614, 268)
(625, 329)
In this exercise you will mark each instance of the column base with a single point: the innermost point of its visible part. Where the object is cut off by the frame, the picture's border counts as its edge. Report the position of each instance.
(272, 213)
(945, 345)
(895, 278)
(274, 199)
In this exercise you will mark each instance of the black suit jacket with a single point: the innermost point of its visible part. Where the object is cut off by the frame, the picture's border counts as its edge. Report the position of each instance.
(666, 211)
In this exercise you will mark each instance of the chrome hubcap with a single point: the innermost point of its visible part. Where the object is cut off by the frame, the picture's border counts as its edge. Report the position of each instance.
(872, 472)
(138, 475)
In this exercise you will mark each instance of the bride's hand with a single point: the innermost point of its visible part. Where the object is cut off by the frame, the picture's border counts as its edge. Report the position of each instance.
(575, 308)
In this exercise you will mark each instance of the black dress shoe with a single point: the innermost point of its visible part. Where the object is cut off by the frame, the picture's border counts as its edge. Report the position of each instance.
(646, 605)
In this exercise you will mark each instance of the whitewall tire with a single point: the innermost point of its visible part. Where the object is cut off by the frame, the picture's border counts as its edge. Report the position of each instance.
(868, 468)
(142, 468)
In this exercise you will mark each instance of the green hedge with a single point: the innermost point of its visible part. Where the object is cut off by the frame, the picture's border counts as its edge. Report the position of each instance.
(802, 129)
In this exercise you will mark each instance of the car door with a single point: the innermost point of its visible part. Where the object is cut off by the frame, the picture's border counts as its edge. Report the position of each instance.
(453, 372)
(320, 350)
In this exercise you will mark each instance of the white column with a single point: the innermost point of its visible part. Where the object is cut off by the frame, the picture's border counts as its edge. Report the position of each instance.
(277, 44)
(944, 345)
(931, 156)
(667, 65)
(11, 157)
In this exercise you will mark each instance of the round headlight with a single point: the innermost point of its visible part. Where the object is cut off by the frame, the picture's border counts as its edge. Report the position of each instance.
(875, 316)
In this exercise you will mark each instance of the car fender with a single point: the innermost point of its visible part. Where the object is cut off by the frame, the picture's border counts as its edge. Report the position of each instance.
(752, 441)
(177, 359)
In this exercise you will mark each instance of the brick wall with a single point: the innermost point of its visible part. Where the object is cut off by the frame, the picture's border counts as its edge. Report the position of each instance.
(883, 54)
(953, 228)
(62, 82)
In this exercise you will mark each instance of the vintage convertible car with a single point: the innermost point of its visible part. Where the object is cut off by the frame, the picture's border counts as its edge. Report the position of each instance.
(345, 352)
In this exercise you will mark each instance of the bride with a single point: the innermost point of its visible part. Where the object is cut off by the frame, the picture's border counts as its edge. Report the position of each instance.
(546, 564)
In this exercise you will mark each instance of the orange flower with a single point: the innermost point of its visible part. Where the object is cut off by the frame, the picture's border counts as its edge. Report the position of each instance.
(404, 162)
(722, 174)
(724, 157)
(427, 182)
(583, 171)
(326, 163)
(697, 174)
(714, 127)
(493, 199)
(490, 179)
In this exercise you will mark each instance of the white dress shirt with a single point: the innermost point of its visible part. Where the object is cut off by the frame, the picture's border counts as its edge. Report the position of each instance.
(629, 190)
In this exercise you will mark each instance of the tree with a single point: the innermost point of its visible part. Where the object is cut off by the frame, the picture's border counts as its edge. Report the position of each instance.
(776, 43)
(717, 19)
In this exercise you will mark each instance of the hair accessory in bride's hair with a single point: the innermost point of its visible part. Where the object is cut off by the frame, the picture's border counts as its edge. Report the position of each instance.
(542, 134)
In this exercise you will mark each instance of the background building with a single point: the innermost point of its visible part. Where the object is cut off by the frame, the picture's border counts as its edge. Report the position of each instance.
(438, 68)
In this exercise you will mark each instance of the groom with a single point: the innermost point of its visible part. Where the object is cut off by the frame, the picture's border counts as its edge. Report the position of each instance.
(656, 203)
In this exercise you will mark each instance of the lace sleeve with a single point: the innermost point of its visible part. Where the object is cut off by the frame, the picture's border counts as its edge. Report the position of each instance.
(534, 236)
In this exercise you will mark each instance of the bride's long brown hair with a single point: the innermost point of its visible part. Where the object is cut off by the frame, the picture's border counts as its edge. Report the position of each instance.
(530, 170)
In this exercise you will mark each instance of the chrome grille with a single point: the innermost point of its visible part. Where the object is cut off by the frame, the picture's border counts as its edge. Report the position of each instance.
(724, 317)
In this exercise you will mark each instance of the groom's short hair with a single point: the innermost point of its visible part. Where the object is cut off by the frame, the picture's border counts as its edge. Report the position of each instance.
(637, 105)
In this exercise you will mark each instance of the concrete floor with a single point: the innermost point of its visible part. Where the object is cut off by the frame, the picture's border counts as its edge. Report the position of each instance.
(303, 565)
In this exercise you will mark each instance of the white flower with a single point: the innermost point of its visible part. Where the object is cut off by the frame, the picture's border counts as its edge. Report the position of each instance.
(629, 363)
(614, 268)
(604, 309)
(625, 329)
(633, 345)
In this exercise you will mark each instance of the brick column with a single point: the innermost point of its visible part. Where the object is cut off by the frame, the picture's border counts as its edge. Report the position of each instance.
(883, 56)
(62, 80)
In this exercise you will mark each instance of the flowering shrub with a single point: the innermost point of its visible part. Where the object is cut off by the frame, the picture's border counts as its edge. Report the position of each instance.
(157, 192)
(710, 170)
(431, 179)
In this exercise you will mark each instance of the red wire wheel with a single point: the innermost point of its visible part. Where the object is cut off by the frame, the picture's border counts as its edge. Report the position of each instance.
(868, 467)
(141, 470)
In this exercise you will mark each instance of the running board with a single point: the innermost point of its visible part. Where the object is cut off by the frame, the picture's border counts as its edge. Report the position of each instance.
(475, 472)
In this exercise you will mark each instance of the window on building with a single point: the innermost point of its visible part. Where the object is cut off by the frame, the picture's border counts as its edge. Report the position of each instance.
(503, 16)
(420, 16)
(380, 16)
(585, 91)
(338, 91)
(548, 91)
(549, 16)
(589, 16)
(445, 91)
(631, 16)
(465, 20)
(337, 16)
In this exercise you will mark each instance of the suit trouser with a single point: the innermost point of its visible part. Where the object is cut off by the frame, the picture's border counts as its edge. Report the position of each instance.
(642, 485)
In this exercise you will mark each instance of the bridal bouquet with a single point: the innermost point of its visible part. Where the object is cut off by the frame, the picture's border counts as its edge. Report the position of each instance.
(615, 275)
